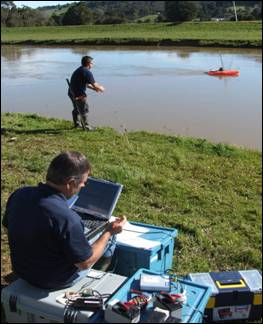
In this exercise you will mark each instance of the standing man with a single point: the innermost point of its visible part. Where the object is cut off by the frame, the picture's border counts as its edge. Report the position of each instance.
(81, 79)
(46, 238)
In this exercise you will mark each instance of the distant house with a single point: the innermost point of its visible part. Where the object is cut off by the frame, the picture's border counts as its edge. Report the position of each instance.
(217, 19)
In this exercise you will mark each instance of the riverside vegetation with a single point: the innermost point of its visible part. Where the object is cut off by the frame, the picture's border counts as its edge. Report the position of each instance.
(223, 34)
(210, 192)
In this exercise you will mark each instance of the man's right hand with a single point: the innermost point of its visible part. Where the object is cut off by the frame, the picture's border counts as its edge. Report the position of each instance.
(100, 88)
(116, 227)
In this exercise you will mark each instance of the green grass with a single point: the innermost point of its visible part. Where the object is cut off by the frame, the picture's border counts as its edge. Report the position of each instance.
(210, 192)
(239, 34)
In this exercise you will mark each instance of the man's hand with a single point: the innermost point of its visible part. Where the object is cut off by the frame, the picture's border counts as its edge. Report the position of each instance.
(96, 87)
(117, 226)
(100, 88)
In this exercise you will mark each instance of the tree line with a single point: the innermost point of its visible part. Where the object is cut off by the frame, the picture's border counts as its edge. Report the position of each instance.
(117, 12)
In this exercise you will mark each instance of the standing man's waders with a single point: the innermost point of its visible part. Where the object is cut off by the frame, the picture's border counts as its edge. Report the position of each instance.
(80, 107)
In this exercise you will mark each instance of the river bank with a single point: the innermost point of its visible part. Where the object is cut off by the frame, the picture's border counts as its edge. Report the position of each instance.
(210, 192)
(213, 34)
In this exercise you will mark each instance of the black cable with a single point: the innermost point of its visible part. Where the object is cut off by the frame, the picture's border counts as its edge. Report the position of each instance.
(70, 313)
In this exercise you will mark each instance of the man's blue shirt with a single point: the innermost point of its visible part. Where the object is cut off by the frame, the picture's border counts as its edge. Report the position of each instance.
(79, 80)
(46, 238)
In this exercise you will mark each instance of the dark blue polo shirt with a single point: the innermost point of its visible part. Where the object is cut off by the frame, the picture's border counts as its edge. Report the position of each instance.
(46, 238)
(79, 80)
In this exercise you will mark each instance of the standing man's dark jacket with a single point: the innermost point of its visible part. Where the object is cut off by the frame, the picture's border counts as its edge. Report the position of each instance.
(46, 238)
(79, 80)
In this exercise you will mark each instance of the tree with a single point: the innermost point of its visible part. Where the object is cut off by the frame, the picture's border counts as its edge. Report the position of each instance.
(13, 19)
(55, 20)
(257, 13)
(25, 16)
(207, 10)
(180, 10)
(78, 14)
(7, 4)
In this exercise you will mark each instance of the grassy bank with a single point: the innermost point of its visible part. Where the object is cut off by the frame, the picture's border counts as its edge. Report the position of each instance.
(227, 34)
(210, 192)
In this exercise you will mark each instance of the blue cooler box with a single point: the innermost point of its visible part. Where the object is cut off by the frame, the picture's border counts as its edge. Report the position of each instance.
(152, 249)
(191, 312)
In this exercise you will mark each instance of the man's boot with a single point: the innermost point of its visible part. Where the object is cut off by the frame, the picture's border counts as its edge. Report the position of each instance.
(87, 125)
(75, 119)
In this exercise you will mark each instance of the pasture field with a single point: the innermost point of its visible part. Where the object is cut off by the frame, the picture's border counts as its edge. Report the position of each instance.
(225, 34)
(211, 193)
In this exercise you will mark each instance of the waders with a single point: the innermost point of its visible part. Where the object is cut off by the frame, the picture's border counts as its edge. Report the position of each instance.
(72, 96)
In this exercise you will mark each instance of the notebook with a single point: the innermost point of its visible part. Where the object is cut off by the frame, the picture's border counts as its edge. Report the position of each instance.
(95, 204)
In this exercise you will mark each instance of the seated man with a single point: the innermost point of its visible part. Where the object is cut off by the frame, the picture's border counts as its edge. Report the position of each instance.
(46, 238)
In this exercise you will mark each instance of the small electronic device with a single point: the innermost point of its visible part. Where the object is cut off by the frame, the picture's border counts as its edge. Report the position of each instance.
(173, 303)
(155, 282)
(116, 312)
(88, 303)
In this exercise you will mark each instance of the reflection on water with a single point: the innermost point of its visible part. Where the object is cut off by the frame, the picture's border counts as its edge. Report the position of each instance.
(153, 88)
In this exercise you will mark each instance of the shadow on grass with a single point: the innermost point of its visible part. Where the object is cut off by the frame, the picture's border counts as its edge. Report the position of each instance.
(9, 278)
(185, 229)
(35, 131)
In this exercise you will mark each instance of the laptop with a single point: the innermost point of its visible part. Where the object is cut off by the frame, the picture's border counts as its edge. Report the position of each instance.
(95, 204)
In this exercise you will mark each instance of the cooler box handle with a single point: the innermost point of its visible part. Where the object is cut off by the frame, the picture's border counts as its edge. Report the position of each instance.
(231, 283)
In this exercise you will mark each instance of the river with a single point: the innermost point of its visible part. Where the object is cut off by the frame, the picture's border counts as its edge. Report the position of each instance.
(157, 89)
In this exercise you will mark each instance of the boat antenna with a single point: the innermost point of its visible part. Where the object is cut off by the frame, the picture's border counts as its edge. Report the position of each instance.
(231, 62)
(221, 59)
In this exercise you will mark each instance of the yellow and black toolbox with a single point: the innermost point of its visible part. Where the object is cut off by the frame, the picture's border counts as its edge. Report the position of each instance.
(235, 295)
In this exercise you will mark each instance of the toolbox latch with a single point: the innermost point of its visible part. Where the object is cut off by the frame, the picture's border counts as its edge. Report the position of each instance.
(12, 303)
(166, 251)
(159, 254)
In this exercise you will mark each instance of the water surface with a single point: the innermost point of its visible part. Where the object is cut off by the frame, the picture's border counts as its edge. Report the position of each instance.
(147, 88)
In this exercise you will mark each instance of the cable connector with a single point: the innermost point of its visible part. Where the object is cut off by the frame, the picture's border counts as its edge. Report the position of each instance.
(172, 298)
(87, 303)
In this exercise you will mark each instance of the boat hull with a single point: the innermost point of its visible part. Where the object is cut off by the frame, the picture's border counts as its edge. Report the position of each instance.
(224, 73)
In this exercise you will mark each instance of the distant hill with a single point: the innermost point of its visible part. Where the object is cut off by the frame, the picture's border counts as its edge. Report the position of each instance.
(117, 12)
(128, 8)
(134, 10)
(48, 11)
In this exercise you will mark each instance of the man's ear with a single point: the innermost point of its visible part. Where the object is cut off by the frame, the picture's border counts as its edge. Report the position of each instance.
(70, 184)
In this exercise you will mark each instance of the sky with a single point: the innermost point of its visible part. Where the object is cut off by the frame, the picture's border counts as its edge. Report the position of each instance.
(35, 4)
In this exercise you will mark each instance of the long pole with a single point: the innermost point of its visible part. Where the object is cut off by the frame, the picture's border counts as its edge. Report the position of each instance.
(222, 64)
(235, 10)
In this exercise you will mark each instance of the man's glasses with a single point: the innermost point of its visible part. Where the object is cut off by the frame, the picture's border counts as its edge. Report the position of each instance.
(79, 180)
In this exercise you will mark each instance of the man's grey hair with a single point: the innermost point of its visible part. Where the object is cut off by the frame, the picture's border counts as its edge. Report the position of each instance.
(67, 165)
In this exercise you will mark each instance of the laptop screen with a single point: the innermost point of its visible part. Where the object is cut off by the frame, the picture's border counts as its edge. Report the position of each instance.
(98, 197)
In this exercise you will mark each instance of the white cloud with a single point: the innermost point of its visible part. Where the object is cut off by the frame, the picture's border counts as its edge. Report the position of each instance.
(35, 4)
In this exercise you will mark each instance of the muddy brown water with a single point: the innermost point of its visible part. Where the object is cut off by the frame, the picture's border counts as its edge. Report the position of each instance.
(158, 89)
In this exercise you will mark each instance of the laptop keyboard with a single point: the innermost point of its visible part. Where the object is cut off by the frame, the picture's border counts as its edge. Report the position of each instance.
(91, 223)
